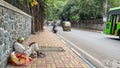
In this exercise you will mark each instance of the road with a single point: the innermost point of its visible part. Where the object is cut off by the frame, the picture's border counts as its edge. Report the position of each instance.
(98, 48)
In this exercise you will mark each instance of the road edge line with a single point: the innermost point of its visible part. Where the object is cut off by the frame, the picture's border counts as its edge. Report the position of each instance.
(84, 59)
(93, 58)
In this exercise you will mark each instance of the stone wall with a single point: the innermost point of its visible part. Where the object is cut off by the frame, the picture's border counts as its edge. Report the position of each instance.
(96, 26)
(90, 24)
(13, 23)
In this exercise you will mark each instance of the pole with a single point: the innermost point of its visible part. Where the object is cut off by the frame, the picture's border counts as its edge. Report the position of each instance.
(106, 8)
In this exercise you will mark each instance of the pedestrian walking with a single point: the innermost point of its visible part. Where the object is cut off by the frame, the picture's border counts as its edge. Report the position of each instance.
(54, 29)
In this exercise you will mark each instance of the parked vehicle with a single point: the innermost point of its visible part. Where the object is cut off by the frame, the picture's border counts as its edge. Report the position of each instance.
(66, 25)
(113, 22)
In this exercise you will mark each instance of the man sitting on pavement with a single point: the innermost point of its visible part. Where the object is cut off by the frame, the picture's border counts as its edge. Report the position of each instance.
(32, 50)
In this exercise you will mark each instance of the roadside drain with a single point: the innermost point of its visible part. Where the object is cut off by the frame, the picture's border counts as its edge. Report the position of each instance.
(51, 49)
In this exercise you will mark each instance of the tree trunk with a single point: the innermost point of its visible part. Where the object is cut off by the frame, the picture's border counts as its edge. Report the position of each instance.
(37, 13)
(41, 8)
(32, 19)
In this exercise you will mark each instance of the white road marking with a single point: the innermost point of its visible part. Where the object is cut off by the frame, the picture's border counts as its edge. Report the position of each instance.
(57, 37)
(87, 54)
(63, 41)
(91, 65)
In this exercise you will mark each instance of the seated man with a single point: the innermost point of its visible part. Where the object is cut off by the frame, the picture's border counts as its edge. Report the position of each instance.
(32, 49)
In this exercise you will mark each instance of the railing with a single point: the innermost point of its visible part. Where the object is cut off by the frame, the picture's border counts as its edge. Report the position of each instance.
(19, 5)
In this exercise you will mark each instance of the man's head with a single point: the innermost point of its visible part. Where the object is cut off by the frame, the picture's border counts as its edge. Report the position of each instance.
(20, 40)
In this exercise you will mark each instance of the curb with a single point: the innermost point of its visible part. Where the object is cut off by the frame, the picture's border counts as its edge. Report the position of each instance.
(91, 57)
(83, 58)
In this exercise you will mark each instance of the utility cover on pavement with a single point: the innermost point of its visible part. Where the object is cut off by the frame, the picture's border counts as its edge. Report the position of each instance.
(51, 49)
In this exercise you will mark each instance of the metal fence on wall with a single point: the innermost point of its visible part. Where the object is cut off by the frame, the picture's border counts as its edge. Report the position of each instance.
(19, 5)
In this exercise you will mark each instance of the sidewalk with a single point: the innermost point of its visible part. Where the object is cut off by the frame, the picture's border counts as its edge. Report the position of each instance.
(53, 59)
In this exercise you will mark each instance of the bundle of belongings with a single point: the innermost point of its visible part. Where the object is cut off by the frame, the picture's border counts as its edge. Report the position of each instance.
(19, 59)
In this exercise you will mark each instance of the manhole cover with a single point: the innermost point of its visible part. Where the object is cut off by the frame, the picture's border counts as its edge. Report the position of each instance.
(51, 49)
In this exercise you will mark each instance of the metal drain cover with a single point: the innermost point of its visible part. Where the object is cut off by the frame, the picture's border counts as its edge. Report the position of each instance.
(51, 49)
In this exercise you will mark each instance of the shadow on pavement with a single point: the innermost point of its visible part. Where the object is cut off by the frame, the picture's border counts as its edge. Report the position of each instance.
(114, 39)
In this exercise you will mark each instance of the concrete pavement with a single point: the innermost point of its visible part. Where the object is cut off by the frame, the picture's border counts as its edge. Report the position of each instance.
(53, 59)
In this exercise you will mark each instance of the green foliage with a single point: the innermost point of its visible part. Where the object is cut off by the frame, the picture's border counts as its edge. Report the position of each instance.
(70, 11)
(74, 18)
(91, 9)
(113, 3)
(54, 8)
(30, 1)
(83, 9)
(75, 10)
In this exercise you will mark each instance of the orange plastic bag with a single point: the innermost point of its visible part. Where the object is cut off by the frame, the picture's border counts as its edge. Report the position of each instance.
(19, 59)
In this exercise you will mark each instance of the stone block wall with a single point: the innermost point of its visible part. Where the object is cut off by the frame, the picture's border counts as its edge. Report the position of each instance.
(95, 26)
(12, 25)
(90, 24)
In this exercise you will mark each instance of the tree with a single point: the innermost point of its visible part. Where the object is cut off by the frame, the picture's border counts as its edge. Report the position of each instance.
(37, 9)
(70, 11)
(83, 9)
(113, 3)
(54, 9)
(91, 9)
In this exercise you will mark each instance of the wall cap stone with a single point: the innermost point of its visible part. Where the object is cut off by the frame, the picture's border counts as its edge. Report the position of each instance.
(9, 6)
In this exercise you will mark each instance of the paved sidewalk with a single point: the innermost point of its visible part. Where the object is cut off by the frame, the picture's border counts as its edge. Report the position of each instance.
(65, 59)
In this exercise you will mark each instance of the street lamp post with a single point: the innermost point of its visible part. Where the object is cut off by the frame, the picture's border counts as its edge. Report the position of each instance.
(105, 14)
(106, 8)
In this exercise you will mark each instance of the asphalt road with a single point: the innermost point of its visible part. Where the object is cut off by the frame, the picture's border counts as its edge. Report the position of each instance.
(100, 49)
